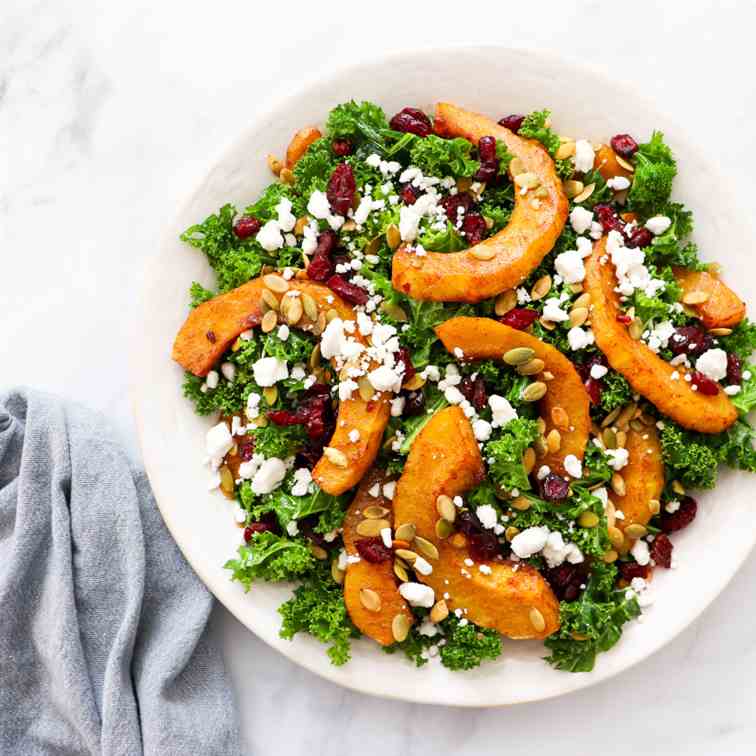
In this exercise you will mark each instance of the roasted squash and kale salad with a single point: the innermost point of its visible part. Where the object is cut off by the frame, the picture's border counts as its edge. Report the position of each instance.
(464, 374)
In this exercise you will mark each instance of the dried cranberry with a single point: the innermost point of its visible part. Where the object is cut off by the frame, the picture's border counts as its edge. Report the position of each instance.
(342, 147)
(341, 188)
(321, 266)
(607, 216)
(350, 292)
(408, 194)
(474, 228)
(403, 357)
(624, 145)
(474, 391)
(414, 404)
(483, 547)
(512, 122)
(246, 449)
(690, 340)
(268, 521)
(487, 149)
(413, 121)
(734, 370)
(661, 551)
(468, 523)
(519, 318)
(592, 385)
(311, 412)
(554, 487)
(246, 226)
(639, 237)
(373, 550)
(630, 570)
(593, 388)
(704, 385)
(307, 529)
(685, 514)
(624, 319)
(453, 203)
(487, 171)
(567, 580)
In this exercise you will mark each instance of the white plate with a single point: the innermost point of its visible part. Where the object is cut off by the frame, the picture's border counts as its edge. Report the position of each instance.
(494, 81)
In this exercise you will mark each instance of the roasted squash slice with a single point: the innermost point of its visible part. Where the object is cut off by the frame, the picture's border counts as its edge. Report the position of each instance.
(565, 407)
(299, 144)
(513, 599)
(644, 479)
(644, 370)
(213, 326)
(722, 309)
(506, 258)
(606, 164)
(371, 576)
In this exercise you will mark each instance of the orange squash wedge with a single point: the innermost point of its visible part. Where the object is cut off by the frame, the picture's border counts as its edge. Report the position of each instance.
(513, 599)
(644, 370)
(299, 144)
(606, 164)
(506, 258)
(565, 407)
(722, 309)
(212, 327)
(369, 576)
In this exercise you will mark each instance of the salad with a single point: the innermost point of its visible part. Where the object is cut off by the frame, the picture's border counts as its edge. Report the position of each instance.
(464, 376)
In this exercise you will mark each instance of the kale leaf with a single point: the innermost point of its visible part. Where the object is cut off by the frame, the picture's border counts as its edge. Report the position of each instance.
(504, 454)
(436, 156)
(534, 127)
(357, 122)
(271, 557)
(655, 170)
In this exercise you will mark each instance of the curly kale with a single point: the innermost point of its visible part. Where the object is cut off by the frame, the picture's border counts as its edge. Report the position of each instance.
(436, 156)
(271, 557)
(289, 508)
(357, 122)
(314, 168)
(504, 454)
(279, 440)
(742, 341)
(671, 247)
(655, 170)
(615, 391)
(199, 294)
(534, 127)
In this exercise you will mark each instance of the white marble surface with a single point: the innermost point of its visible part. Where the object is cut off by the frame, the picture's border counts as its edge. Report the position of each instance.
(110, 112)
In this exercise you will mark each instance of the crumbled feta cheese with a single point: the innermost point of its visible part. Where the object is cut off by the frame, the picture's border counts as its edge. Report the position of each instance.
(286, 220)
(556, 551)
(481, 429)
(569, 265)
(318, 205)
(713, 364)
(573, 466)
(552, 311)
(640, 552)
(269, 476)
(397, 406)
(269, 370)
(384, 378)
(484, 569)
(212, 379)
(422, 566)
(658, 224)
(598, 371)
(617, 458)
(218, 443)
(530, 541)
(302, 480)
(428, 629)
(417, 594)
(346, 389)
(732, 390)
(580, 219)
(502, 411)
(386, 537)
(283, 332)
(354, 435)
(629, 267)
(618, 183)
(660, 335)
(584, 156)
(579, 338)
(292, 528)
(389, 489)
(487, 516)
(543, 471)
(269, 237)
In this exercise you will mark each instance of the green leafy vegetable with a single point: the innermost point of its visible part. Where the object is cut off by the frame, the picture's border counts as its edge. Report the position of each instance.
(271, 557)
(289, 508)
(436, 156)
(615, 391)
(314, 168)
(745, 400)
(671, 247)
(447, 240)
(358, 122)
(655, 170)
(742, 341)
(504, 454)
(279, 440)
(467, 645)
(534, 127)
(199, 294)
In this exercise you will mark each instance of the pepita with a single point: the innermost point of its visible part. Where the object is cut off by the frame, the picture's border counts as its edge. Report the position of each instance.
(393, 237)
(483, 253)
(336, 573)
(400, 570)
(406, 532)
(287, 176)
(335, 456)
(537, 620)
(314, 360)
(621, 439)
(425, 547)
(226, 481)
(407, 555)
(516, 167)
(310, 307)
(584, 300)
(365, 389)
(276, 283)
(578, 316)
(505, 302)
(540, 446)
(678, 487)
(618, 484)
(610, 556)
(534, 391)
(695, 297)
(609, 437)
(547, 375)
(331, 315)
(588, 520)
(443, 528)
(394, 311)
(654, 506)
(269, 321)
(573, 188)
(511, 532)
(623, 419)
(635, 531)
(300, 225)
(615, 537)
(370, 599)
(549, 325)
(318, 552)
(521, 504)
(275, 165)
(270, 394)
(565, 150)
(720, 331)
(439, 612)
(294, 311)
(541, 287)
(527, 180)
(445, 507)
(519, 356)
(270, 299)
(371, 528)
(533, 367)
(400, 627)
(611, 417)
(624, 163)
(375, 512)
(528, 459)
(560, 418)
(416, 382)
(554, 440)
(583, 196)
(635, 329)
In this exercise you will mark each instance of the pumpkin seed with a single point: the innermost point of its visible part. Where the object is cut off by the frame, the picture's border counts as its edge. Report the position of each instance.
(560, 418)
(573, 188)
(565, 150)
(521, 504)
(635, 329)
(609, 437)
(276, 283)
(425, 547)
(618, 484)
(445, 507)
(375, 512)
(549, 325)
(269, 321)
(335, 456)
(623, 419)
(300, 225)
(541, 287)
(578, 316)
(314, 360)
(584, 300)
(400, 627)
(621, 439)
(270, 299)
(226, 481)
(349, 225)
(270, 394)
(610, 556)
(554, 440)
(393, 237)
(511, 532)
(365, 388)
(695, 297)
(637, 426)
(533, 367)
(439, 612)
(720, 331)
(483, 253)
(611, 417)
(505, 302)
(394, 311)
(275, 165)
(372, 527)
(534, 391)
(407, 555)
(537, 620)
(443, 528)
(400, 570)
(635, 531)
(406, 532)
(541, 425)
(540, 446)
(287, 176)
(318, 552)
(528, 459)
(678, 487)
(588, 520)
(527, 180)
(654, 506)
(320, 326)
(624, 163)
(337, 574)
(417, 381)
(583, 196)
(310, 307)
(331, 315)
(370, 599)
(294, 311)
(518, 356)
(516, 167)
(615, 536)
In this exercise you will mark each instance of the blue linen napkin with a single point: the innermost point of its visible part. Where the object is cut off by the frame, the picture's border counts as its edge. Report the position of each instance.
(103, 625)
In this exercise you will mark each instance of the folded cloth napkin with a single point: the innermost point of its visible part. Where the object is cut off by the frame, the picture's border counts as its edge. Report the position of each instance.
(103, 625)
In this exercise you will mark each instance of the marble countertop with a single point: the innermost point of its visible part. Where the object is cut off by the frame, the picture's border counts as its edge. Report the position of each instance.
(110, 113)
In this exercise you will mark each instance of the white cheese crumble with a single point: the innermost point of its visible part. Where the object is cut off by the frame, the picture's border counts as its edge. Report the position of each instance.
(487, 516)
(218, 443)
(618, 183)
(713, 364)
(580, 219)
(658, 224)
(302, 480)
(269, 476)
(579, 338)
(598, 371)
(573, 466)
(269, 370)
(584, 156)
(501, 410)
(417, 594)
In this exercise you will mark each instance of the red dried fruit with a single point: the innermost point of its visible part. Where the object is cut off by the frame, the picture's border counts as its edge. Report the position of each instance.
(246, 449)
(690, 340)
(567, 580)
(310, 412)
(350, 292)
(373, 550)
(682, 517)
(704, 385)
(321, 266)
(487, 149)
(734, 370)
(554, 487)
(454, 203)
(341, 189)
(210, 336)
(474, 391)
(246, 226)
(408, 194)
(412, 121)
(639, 237)
(519, 318)
(483, 547)
(403, 357)
(342, 147)
(630, 570)
(268, 521)
(512, 122)
(593, 387)
(607, 216)
(661, 551)
(624, 145)
(487, 172)
(624, 319)
(414, 403)
(474, 228)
